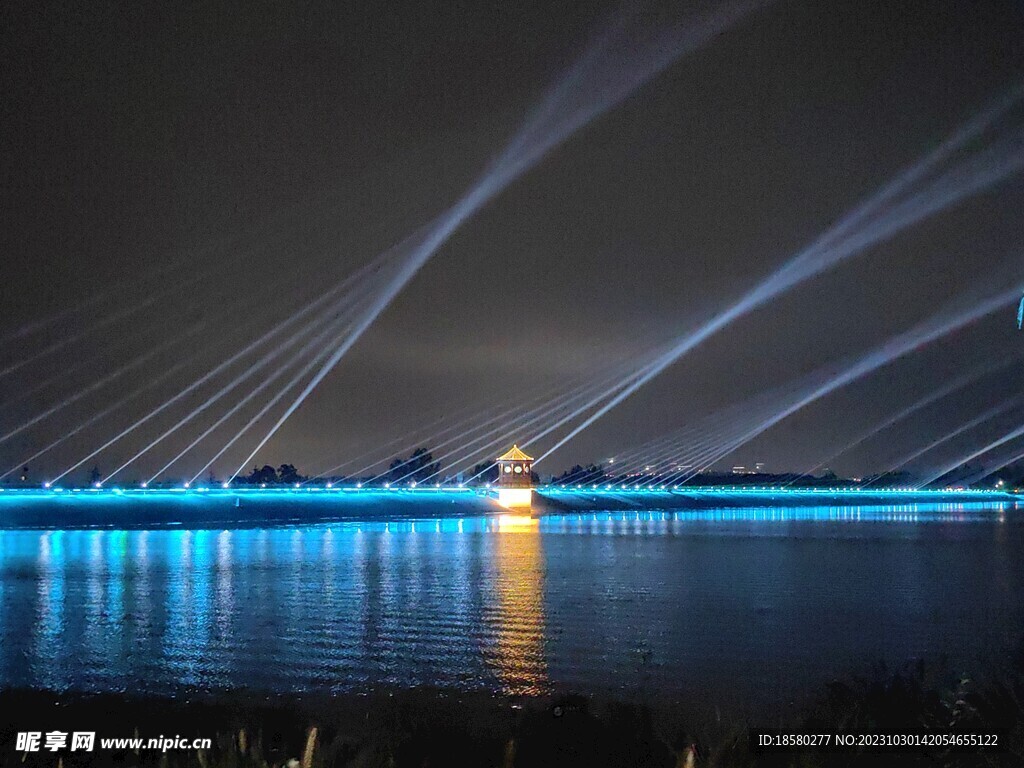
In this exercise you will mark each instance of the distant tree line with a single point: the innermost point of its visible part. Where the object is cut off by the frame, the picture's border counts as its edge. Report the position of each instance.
(420, 468)
(286, 474)
(578, 474)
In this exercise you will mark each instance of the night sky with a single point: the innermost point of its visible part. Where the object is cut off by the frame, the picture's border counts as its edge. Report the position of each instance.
(237, 159)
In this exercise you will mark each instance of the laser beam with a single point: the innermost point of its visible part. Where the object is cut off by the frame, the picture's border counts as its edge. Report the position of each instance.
(864, 226)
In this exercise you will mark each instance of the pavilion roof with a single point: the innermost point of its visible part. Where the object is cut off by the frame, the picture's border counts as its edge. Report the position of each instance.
(514, 454)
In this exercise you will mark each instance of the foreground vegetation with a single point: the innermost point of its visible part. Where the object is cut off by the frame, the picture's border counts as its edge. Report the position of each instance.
(431, 728)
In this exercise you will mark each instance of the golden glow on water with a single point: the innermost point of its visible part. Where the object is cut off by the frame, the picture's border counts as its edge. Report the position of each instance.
(515, 498)
(518, 523)
(518, 654)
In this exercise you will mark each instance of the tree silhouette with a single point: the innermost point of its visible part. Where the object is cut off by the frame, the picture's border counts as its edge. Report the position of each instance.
(286, 474)
(485, 473)
(265, 475)
(577, 474)
(418, 468)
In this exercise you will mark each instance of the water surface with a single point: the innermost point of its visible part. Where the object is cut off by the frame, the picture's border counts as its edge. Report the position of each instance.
(738, 605)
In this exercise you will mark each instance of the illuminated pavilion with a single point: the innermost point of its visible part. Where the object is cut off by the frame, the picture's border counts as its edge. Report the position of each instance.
(515, 483)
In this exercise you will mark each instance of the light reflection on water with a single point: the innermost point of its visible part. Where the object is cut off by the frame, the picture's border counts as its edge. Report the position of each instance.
(757, 602)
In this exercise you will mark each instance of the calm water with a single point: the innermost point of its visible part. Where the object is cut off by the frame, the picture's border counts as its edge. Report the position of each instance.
(735, 604)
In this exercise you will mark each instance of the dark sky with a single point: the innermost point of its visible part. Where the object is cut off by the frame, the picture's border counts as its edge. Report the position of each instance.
(268, 149)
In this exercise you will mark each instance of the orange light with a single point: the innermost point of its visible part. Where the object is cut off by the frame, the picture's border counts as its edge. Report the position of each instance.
(517, 523)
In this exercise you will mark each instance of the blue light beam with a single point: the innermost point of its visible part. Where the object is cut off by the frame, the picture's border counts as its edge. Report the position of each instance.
(860, 228)
(604, 77)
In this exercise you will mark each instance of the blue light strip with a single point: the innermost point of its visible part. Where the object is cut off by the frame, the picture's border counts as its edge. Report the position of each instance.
(602, 490)
(714, 490)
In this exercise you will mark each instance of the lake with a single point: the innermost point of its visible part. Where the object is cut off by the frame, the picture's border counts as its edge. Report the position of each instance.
(747, 608)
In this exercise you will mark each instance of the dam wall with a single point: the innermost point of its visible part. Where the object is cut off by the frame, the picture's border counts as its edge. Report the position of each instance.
(242, 508)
